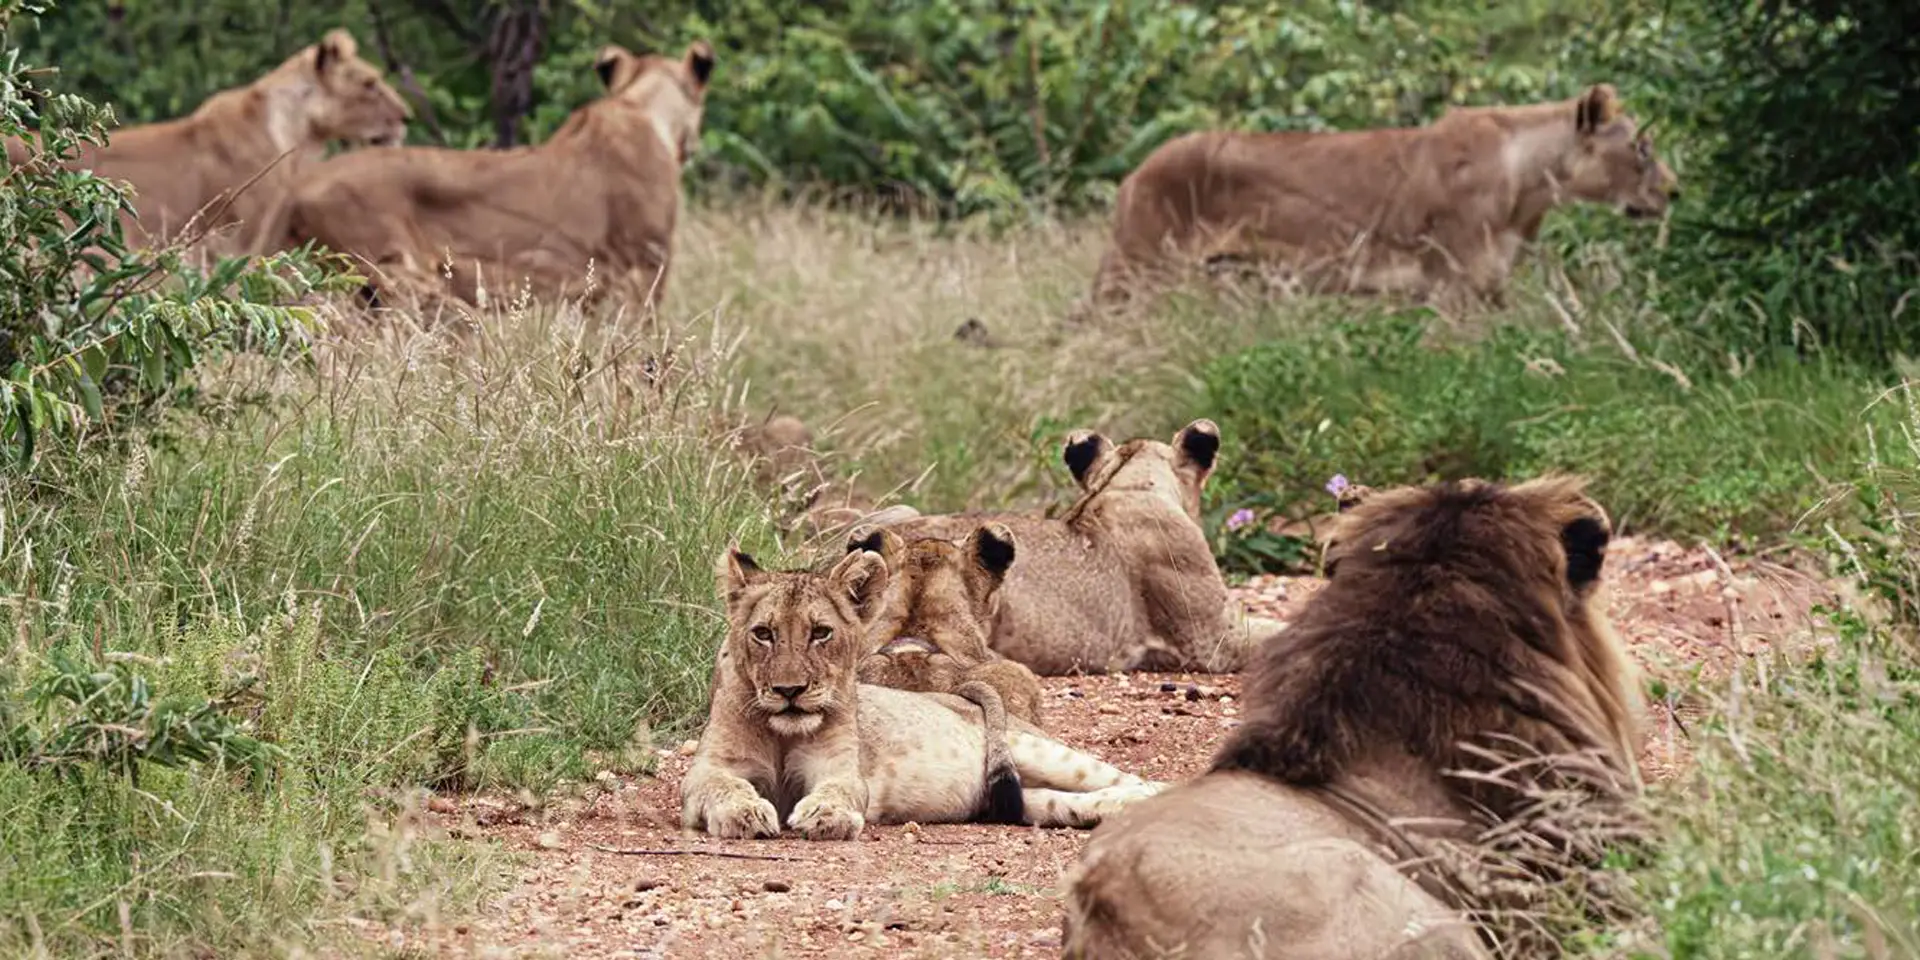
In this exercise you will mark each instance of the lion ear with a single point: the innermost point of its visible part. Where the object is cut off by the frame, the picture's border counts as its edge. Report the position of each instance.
(874, 538)
(1598, 107)
(336, 46)
(733, 571)
(1585, 541)
(1083, 449)
(991, 546)
(607, 62)
(861, 578)
(1199, 444)
(700, 61)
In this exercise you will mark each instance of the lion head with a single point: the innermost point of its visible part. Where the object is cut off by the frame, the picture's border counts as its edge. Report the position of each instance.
(671, 92)
(1171, 474)
(932, 629)
(349, 100)
(794, 637)
(1615, 162)
(1454, 615)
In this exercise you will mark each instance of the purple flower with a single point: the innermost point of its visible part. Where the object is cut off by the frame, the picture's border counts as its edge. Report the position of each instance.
(1338, 485)
(1240, 518)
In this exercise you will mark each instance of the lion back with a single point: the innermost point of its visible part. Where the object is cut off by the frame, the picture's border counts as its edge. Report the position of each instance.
(1457, 619)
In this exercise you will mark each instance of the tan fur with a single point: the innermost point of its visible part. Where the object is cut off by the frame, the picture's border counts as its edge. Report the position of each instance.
(1433, 211)
(1457, 614)
(202, 164)
(603, 190)
(931, 630)
(1124, 579)
(793, 738)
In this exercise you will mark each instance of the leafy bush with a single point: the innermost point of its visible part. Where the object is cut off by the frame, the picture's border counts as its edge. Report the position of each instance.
(88, 329)
(1805, 122)
(1672, 445)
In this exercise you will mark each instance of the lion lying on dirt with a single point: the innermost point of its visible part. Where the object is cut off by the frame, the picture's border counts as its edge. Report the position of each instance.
(792, 737)
(602, 192)
(1455, 616)
(1124, 579)
(223, 162)
(930, 633)
(1431, 211)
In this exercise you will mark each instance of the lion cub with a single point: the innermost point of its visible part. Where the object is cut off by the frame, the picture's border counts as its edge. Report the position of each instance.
(932, 628)
(793, 737)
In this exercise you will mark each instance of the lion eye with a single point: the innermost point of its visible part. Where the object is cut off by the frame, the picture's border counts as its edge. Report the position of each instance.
(821, 632)
(762, 635)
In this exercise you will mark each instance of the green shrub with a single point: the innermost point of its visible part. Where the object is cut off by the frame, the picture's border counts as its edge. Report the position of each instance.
(1678, 447)
(88, 330)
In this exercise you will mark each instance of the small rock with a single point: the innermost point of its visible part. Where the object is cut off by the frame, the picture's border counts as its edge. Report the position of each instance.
(688, 747)
(439, 804)
(776, 886)
(1171, 687)
(1109, 708)
(548, 841)
(1193, 691)
(835, 904)
(644, 884)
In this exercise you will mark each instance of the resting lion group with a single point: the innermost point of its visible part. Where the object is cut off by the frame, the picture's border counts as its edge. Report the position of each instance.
(1457, 666)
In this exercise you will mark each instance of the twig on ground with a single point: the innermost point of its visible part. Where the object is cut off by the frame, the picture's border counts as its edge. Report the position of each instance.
(727, 855)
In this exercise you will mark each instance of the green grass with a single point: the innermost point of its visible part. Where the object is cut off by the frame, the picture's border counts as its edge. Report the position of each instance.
(445, 566)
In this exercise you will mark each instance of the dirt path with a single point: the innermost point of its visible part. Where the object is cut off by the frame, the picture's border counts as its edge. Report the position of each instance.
(991, 891)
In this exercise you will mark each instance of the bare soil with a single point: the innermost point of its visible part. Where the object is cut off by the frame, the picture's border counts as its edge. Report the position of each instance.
(615, 876)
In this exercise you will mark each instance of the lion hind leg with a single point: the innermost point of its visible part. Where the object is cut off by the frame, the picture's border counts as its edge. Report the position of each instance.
(1047, 763)
(1080, 809)
(1005, 801)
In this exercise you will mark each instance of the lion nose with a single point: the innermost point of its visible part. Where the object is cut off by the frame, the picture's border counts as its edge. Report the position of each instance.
(791, 693)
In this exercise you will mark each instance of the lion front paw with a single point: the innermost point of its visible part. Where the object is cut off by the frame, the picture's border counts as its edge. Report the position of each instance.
(743, 819)
(822, 819)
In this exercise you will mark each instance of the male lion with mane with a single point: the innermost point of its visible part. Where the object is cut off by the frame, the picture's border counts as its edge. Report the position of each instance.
(930, 633)
(1124, 579)
(603, 191)
(793, 737)
(1457, 620)
(223, 162)
(1432, 211)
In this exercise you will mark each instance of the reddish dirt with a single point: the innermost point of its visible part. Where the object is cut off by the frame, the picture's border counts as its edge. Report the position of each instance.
(991, 891)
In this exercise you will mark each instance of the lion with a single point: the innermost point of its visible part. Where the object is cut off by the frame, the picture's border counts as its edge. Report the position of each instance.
(794, 738)
(230, 162)
(1124, 579)
(591, 210)
(1459, 620)
(931, 631)
(1439, 211)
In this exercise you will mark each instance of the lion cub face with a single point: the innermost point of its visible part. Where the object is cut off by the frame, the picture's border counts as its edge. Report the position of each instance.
(355, 103)
(1616, 163)
(793, 638)
(673, 92)
(1175, 472)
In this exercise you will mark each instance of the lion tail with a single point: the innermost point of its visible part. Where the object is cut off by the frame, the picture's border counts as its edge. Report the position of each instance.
(1005, 801)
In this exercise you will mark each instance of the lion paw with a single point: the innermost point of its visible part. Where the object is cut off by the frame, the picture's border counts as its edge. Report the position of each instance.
(743, 820)
(819, 819)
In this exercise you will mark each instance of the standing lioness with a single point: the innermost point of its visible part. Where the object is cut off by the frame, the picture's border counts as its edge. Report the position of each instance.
(602, 192)
(1424, 210)
(233, 160)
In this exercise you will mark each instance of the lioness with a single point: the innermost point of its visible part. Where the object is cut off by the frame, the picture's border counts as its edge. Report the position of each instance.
(931, 630)
(1424, 210)
(792, 737)
(1456, 618)
(223, 162)
(603, 193)
(1124, 579)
